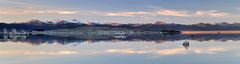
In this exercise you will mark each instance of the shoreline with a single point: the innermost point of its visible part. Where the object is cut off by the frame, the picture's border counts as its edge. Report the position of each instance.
(212, 32)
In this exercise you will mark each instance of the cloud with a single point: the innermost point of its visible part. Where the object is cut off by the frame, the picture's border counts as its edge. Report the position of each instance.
(56, 11)
(125, 13)
(20, 14)
(174, 13)
(166, 52)
(172, 51)
(151, 13)
(168, 12)
(17, 2)
(52, 53)
(10, 12)
(212, 50)
(27, 52)
(61, 12)
(126, 51)
(185, 13)
(36, 11)
(211, 13)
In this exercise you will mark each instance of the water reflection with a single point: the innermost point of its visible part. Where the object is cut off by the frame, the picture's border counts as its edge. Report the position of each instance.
(186, 44)
(153, 49)
(41, 39)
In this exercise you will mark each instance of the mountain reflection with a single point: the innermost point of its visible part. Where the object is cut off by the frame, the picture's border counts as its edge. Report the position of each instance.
(43, 39)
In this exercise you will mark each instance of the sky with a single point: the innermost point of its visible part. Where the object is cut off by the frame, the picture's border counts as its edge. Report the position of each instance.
(122, 11)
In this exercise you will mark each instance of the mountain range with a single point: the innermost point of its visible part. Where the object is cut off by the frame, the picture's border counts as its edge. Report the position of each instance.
(63, 24)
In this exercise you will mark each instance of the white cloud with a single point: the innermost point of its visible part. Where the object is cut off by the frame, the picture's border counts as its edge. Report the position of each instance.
(151, 13)
(212, 50)
(126, 51)
(173, 13)
(211, 13)
(184, 13)
(36, 11)
(27, 52)
(163, 12)
(168, 12)
(125, 13)
(172, 51)
(10, 12)
(51, 53)
(63, 12)
(15, 2)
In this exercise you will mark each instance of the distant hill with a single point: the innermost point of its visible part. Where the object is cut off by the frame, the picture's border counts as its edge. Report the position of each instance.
(53, 25)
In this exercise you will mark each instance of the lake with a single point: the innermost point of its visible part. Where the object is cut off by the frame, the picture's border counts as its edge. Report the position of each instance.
(147, 49)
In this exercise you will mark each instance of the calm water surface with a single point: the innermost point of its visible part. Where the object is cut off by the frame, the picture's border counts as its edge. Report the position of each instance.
(203, 49)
